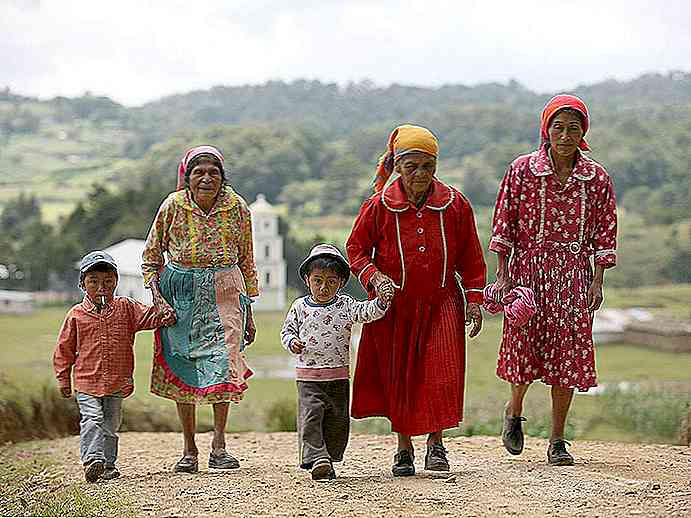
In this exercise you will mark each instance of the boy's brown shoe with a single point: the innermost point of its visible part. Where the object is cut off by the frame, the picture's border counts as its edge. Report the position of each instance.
(94, 470)
(323, 469)
(110, 473)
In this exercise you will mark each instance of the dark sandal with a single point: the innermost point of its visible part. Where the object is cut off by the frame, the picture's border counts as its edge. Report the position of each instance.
(512, 434)
(557, 454)
(187, 464)
(436, 460)
(223, 461)
(403, 464)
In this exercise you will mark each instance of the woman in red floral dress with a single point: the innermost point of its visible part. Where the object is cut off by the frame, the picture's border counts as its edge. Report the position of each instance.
(555, 211)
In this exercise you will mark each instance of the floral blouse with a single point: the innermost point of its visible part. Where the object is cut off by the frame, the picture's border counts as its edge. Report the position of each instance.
(533, 207)
(193, 239)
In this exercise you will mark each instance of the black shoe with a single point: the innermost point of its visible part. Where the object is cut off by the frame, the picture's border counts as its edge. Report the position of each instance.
(323, 469)
(403, 464)
(436, 460)
(94, 470)
(187, 464)
(110, 473)
(557, 454)
(223, 460)
(512, 434)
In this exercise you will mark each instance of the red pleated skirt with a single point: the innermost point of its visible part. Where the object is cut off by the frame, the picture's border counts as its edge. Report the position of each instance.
(411, 364)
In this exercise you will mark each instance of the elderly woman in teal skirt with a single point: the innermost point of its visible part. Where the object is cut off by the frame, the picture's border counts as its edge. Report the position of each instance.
(205, 230)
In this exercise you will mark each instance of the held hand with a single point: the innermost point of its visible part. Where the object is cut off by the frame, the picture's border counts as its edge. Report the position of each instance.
(170, 318)
(595, 297)
(66, 392)
(251, 329)
(473, 314)
(296, 346)
(383, 286)
(502, 286)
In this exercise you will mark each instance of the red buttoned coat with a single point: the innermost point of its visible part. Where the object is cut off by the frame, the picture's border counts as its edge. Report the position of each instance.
(411, 363)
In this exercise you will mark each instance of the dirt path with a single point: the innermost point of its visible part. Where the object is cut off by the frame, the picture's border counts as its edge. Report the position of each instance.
(609, 480)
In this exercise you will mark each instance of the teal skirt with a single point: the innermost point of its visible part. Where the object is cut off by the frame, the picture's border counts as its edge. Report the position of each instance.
(200, 358)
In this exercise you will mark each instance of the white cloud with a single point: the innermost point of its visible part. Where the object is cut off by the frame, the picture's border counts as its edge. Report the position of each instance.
(136, 51)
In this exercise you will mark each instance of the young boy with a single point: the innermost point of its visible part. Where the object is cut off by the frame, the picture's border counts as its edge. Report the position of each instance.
(97, 339)
(317, 330)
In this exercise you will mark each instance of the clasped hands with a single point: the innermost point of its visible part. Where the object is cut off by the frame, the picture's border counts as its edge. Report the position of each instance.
(384, 288)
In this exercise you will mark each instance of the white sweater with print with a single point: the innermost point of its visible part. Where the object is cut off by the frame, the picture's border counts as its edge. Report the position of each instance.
(325, 330)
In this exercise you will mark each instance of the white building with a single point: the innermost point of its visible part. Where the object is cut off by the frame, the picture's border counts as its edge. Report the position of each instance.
(12, 301)
(268, 255)
(128, 255)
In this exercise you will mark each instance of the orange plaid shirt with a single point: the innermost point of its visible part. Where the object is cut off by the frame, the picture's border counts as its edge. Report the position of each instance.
(100, 345)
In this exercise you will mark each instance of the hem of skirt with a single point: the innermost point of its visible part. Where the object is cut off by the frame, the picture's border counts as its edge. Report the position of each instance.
(451, 423)
(172, 378)
(224, 397)
(546, 381)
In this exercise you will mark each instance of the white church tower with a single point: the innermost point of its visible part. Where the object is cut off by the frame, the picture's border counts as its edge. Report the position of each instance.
(268, 254)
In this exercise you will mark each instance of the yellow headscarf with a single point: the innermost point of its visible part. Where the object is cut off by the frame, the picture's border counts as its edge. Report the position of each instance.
(403, 140)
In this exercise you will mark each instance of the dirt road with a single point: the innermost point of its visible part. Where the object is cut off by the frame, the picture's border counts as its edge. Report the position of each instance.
(609, 480)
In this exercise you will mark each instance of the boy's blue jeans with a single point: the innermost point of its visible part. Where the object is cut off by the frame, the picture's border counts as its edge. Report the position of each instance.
(100, 420)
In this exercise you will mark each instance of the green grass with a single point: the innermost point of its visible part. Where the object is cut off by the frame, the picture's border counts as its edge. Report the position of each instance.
(26, 361)
(32, 485)
(670, 301)
(28, 342)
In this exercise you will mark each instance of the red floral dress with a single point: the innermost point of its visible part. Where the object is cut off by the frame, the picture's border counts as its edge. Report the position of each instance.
(551, 232)
(411, 363)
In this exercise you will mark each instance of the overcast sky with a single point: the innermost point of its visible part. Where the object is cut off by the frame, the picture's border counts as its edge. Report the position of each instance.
(137, 50)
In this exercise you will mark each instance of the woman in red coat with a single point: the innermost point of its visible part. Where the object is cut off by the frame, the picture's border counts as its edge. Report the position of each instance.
(555, 212)
(416, 234)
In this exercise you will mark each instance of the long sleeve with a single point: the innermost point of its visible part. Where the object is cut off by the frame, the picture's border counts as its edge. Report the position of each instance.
(505, 218)
(605, 236)
(65, 353)
(291, 327)
(362, 312)
(246, 252)
(157, 242)
(471, 262)
(361, 243)
(144, 317)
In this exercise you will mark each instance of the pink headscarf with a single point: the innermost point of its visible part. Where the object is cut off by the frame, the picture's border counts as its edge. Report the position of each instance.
(190, 155)
(518, 304)
(559, 102)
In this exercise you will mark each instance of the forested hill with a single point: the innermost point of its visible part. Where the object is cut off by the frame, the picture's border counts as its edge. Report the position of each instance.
(311, 147)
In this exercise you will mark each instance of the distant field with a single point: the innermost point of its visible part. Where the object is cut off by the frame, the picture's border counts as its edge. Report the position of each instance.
(28, 341)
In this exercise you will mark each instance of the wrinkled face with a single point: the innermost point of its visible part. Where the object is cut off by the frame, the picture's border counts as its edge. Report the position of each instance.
(205, 182)
(324, 284)
(565, 133)
(100, 284)
(417, 171)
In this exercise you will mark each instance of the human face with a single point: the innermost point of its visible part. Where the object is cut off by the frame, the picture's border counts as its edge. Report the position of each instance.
(565, 133)
(324, 284)
(100, 284)
(205, 183)
(417, 170)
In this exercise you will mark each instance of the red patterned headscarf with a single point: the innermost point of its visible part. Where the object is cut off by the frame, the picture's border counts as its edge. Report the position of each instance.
(559, 102)
(403, 140)
(190, 155)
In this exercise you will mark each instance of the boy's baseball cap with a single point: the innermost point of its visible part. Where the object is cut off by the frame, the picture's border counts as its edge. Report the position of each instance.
(93, 258)
(324, 250)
